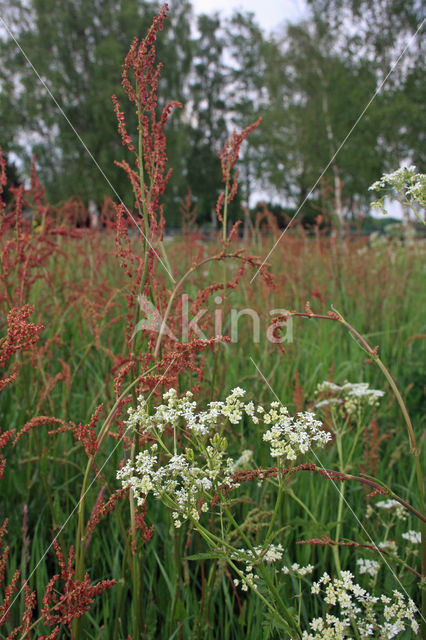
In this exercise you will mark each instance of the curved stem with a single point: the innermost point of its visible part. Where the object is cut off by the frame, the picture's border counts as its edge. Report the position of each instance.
(337, 317)
(176, 289)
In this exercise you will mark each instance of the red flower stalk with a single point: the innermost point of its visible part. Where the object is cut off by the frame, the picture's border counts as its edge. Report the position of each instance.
(4, 439)
(10, 589)
(101, 508)
(52, 381)
(125, 138)
(86, 434)
(188, 213)
(77, 596)
(21, 335)
(4, 382)
(326, 541)
(27, 242)
(30, 602)
(8, 594)
(140, 79)
(122, 373)
(36, 193)
(228, 158)
(372, 442)
(36, 422)
(146, 532)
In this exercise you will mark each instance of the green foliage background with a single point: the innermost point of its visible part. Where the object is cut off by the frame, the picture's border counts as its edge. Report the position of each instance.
(309, 82)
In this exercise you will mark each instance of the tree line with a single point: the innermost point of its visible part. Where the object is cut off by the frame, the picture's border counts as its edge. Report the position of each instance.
(310, 81)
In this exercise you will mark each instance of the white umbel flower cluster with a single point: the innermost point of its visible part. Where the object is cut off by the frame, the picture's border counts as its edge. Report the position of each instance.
(414, 537)
(370, 567)
(406, 181)
(183, 413)
(390, 545)
(370, 616)
(394, 506)
(272, 553)
(351, 396)
(179, 482)
(183, 479)
(297, 570)
(289, 437)
(395, 179)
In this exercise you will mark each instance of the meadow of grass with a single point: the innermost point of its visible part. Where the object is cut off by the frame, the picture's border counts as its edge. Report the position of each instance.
(75, 364)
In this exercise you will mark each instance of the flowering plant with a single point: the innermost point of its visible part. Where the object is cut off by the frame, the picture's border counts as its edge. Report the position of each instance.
(410, 188)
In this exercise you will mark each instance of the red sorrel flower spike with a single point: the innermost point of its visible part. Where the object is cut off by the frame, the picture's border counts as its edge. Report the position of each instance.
(101, 509)
(86, 434)
(228, 158)
(126, 139)
(36, 192)
(157, 24)
(21, 335)
(77, 597)
(36, 422)
(140, 78)
(4, 439)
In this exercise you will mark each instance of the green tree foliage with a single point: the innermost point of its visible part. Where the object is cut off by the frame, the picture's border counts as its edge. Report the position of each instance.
(378, 32)
(320, 80)
(309, 83)
(77, 47)
(379, 29)
(207, 114)
(316, 97)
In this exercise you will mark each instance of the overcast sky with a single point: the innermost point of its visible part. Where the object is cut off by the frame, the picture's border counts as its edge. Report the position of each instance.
(269, 13)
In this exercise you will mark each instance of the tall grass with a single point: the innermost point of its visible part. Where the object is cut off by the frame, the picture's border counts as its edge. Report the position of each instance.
(44, 473)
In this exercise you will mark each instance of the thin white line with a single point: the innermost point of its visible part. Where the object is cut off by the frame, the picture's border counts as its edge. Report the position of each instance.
(81, 498)
(342, 144)
(83, 144)
(346, 502)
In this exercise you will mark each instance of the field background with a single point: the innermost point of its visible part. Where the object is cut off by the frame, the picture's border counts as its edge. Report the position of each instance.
(80, 298)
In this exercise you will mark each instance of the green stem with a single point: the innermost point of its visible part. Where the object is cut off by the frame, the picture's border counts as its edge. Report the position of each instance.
(120, 600)
(211, 539)
(145, 216)
(225, 212)
(341, 500)
(265, 575)
(277, 503)
(291, 493)
(135, 572)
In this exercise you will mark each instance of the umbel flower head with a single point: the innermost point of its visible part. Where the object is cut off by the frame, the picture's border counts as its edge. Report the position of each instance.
(290, 437)
(351, 397)
(370, 616)
(186, 475)
(406, 181)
